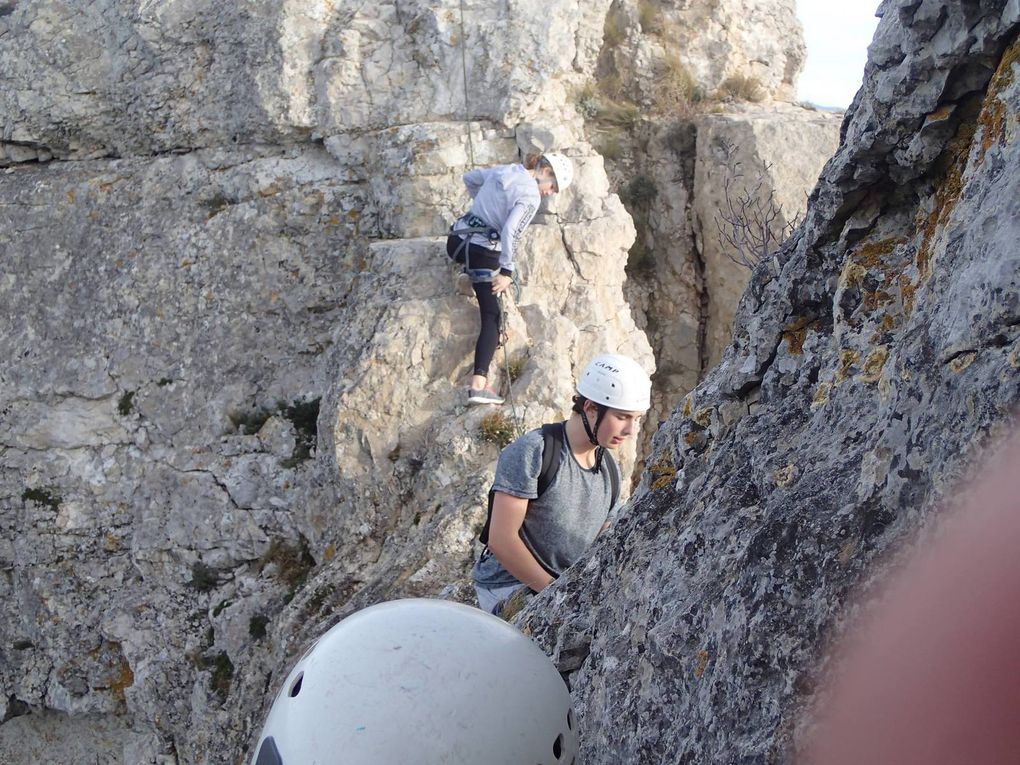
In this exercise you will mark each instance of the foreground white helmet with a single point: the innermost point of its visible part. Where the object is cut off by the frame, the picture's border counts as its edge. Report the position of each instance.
(425, 682)
(616, 381)
(562, 168)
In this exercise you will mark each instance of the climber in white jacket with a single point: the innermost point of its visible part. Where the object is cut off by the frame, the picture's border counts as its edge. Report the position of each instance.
(486, 238)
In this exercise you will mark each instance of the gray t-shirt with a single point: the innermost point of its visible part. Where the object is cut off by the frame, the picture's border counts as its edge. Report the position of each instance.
(560, 524)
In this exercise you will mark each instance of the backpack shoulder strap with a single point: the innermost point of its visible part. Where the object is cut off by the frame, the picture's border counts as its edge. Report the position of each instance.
(614, 476)
(552, 451)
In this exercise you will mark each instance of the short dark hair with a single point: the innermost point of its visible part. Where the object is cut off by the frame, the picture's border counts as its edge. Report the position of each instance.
(580, 401)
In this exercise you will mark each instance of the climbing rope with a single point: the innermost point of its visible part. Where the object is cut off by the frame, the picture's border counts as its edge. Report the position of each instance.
(467, 102)
(504, 338)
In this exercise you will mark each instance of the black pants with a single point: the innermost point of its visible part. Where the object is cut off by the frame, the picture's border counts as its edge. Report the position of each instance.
(488, 304)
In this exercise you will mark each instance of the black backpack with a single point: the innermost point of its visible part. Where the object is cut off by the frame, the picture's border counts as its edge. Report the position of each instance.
(552, 452)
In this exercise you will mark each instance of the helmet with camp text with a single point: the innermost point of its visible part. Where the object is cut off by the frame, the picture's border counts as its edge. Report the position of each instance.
(422, 681)
(616, 381)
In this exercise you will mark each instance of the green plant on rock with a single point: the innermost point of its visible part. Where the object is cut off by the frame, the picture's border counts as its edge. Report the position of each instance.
(204, 577)
(222, 673)
(619, 113)
(126, 404)
(43, 496)
(304, 416)
(587, 101)
(251, 422)
(639, 193)
(516, 367)
(640, 259)
(257, 626)
(497, 428)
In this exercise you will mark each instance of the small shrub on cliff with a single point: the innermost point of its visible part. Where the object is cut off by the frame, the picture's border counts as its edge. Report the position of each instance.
(619, 113)
(649, 17)
(222, 674)
(291, 563)
(204, 577)
(126, 404)
(46, 497)
(614, 31)
(587, 102)
(639, 193)
(497, 429)
(515, 367)
(609, 143)
(257, 626)
(251, 422)
(741, 88)
(676, 89)
(640, 259)
(751, 224)
(304, 416)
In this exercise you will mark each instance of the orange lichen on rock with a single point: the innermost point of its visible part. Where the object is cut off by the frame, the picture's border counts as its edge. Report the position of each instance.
(872, 254)
(703, 658)
(992, 119)
(872, 367)
(847, 358)
(663, 472)
(795, 333)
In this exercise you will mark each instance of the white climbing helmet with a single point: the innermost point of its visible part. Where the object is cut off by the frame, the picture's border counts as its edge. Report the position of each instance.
(616, 381)
(562, 168)
(421, 681)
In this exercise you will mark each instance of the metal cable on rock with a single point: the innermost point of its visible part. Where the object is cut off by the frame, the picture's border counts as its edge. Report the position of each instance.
(503, 341)
(467, 102)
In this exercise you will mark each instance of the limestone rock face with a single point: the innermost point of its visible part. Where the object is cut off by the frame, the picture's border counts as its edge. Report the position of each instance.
(232, 388)
(730, 48)
(213, 384)
(119, 78)
(870, 365)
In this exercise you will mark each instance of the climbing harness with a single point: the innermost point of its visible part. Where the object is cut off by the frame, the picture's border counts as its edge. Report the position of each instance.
(475, 226)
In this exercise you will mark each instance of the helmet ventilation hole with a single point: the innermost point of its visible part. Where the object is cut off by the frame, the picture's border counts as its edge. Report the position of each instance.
(558, 746)
(296, 688)
(570, 719)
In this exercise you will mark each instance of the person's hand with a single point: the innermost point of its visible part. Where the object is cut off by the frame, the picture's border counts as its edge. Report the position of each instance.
(500, 283)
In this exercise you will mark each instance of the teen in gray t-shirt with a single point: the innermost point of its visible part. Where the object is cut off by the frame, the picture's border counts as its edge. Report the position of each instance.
(561, 523)
(532, 538)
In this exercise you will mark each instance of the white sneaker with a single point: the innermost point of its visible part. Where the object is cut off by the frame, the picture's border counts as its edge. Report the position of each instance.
(483, 396)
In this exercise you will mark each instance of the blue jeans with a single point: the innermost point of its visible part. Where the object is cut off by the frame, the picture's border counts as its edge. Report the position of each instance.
(491, 600)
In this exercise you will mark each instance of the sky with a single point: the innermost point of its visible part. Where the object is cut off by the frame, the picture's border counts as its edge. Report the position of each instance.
(837, 33)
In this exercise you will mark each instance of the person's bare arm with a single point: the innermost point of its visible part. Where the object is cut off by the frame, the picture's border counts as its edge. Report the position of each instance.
(505, 542)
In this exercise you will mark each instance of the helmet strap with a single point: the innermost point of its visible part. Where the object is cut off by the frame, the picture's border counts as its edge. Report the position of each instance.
(593, 434)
